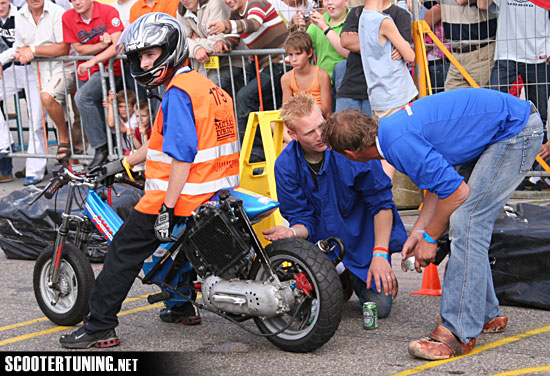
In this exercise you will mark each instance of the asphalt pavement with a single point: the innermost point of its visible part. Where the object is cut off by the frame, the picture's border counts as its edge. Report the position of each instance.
(218, 347)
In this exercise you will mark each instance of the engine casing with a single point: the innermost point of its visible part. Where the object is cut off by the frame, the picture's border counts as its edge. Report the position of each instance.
(252, 298)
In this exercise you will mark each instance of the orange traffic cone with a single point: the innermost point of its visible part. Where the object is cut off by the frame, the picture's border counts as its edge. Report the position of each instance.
(430, 282)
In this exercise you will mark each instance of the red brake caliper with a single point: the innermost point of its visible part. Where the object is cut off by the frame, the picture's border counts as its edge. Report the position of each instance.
(302, 283)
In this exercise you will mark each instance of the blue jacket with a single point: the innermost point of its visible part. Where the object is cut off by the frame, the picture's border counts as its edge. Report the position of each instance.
(425, 139)
(348, 196)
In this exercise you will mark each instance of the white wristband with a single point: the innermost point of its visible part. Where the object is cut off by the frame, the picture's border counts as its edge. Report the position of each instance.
(294, 231)
(33, 49)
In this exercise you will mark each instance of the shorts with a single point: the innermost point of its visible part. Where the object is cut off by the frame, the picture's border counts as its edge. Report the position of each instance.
(58, 86)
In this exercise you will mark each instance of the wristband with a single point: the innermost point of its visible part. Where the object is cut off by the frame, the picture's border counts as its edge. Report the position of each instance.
(128, 168)
(382, 255)
(33, 49)
(327, 30)
(428, 238)
(294, 231)
(381, 249)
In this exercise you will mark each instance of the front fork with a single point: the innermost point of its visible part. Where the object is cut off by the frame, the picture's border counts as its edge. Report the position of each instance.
(96, 211)
(60, 239)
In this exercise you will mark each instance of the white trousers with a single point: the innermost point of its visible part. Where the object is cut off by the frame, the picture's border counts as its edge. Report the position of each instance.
(13, 80)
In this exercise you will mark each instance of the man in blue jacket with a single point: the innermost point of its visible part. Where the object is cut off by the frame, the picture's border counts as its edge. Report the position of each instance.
(495, 138)
(323, 194)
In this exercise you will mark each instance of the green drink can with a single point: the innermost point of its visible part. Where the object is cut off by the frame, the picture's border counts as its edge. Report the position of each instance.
(370, 315)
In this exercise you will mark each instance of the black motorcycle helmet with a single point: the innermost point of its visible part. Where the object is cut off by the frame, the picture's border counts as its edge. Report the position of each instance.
(154, 30)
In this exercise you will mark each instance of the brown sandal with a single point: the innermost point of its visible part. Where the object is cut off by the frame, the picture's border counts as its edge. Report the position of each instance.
(496, 325)
(63, 152)
(440, 344)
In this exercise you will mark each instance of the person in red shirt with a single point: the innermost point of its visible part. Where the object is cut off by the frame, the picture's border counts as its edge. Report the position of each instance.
(93, 28)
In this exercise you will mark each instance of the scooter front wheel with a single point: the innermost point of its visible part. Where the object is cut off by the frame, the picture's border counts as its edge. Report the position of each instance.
(67, 304)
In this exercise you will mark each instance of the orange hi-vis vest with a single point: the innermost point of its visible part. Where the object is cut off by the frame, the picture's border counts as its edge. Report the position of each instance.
(216, 164)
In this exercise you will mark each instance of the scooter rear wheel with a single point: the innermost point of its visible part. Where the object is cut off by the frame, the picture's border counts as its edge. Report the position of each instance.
(321, 313)
(68, 303)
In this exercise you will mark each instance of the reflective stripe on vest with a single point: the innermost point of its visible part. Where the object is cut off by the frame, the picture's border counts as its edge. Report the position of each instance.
(201, 156)
(193, 188)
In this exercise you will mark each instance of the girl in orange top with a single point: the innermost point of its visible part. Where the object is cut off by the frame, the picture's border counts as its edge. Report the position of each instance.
(305, 77)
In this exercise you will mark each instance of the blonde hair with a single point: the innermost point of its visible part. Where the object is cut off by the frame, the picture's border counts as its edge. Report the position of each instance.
(298, 106)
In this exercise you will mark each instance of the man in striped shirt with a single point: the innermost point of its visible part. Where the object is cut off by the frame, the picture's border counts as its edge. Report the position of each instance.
(257, 23)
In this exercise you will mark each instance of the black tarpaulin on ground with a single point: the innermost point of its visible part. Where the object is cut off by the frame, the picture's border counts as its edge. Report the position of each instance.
(520, 256)
(26, 230)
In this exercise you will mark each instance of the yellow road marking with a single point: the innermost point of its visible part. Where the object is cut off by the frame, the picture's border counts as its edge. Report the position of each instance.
(477, 350)
(139, 309)
(24, 323)
(60, 328)
(34, 321)
(523, 371)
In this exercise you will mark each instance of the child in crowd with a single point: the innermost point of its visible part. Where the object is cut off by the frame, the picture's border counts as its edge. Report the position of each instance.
(325, 32)
(352, 93)
(438, 65)
(143, 132)
(126, 116)
(305, 77)
(384, 54)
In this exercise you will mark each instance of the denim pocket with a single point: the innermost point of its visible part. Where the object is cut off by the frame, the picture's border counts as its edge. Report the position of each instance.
(531, 146)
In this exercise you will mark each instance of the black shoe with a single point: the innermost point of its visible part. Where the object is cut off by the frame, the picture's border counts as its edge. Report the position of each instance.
(21, 173)
(528, 185)
(101, 155)
(81, 339)
(95, 254)
(347, 286)
(187, 314)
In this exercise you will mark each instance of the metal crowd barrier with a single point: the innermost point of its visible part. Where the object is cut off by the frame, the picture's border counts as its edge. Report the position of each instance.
(242, 67)
(238, 62)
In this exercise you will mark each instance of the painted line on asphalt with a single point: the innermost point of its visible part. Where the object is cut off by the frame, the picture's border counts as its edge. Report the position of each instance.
(24, 323)
(34, 321)
(476, 350)
(60, 328)
(524, 371)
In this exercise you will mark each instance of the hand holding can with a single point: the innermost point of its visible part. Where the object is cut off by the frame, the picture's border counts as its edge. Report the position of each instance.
(409, 263)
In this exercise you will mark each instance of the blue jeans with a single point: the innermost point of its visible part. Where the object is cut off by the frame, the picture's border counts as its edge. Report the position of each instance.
(438, 73)
(469, 300)
(338, 73)
(353, 104)
(5, 166)
(383, 302)
(536, 78)
(89, 100)
(248, 99)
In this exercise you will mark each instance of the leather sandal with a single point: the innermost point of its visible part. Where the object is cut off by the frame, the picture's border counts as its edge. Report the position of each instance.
(440, 344)
(63, 152)
(496, 325)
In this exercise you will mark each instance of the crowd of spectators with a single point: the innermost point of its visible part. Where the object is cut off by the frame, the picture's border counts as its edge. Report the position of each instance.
(497, 42)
